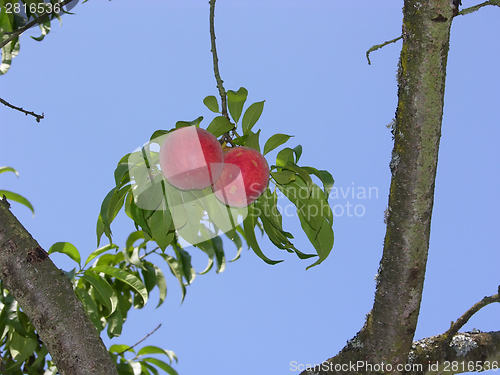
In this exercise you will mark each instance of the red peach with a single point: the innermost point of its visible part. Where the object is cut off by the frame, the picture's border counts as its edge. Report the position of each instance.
(191, 158)
(244, 178)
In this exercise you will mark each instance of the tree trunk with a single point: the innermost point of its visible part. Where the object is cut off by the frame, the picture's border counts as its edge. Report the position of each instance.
(386, 338)
(46, 295)
(417, 131)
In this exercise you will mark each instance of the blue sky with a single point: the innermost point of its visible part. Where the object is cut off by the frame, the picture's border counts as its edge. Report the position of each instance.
(115, 72)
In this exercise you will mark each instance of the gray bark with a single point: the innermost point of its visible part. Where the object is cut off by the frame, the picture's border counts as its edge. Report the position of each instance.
(46, 295)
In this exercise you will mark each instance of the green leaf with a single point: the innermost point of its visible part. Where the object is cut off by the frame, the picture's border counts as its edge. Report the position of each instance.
(240, 141)
(161, 284)
(66, 248)
(122, 175)
(220, 257)
(275, 141)
(161, 225)
(120, 348)
(298, 152)
(302, 173)
(219, 126)
(17, 198)
(21, 347)
(284, 156)
(249, 228)
(252, 140)
(208, 248)
(150, 349)
(45, 28)
(9, 51)
(236, 101)
(176, 269)
(322, 240)
(183, 124)
(239, 246)
(111, 205)
(251, 116)
(283, 177)
(158, 135)
(90, 307)
(126, 277)
(8, 169)
(184, 258)
(99, 251)
(103, 291)
(211, 103)
(162, 365)
(325, 177)
(133, 238)
(115, 324)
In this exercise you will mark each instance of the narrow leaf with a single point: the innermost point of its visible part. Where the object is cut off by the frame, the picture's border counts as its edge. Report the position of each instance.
(8, 169)
(126, 277)
(251, 116)
(103, 291)
(17, 198)
(275, 141)
(66, 248)
(219, 126)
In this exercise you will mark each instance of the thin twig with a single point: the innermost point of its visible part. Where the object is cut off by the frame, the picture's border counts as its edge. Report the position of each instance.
(219, 80)
(377, 46)
(138, 342)
(469, 313)
(38, 117)
(475, 8)
(39, 19)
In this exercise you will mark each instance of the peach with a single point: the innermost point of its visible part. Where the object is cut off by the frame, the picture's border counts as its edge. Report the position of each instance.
(191, 158)
(244, 178)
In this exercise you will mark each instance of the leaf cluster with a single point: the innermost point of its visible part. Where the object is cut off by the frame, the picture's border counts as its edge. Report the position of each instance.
(170, 217)
(18, 15)
(109, 284)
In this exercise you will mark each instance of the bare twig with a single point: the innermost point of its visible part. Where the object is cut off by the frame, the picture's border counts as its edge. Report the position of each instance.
(39, 19)
(377, 46)
(219, 80)
(475, 8)
(469, 313)
(141, 340)
(37, 117)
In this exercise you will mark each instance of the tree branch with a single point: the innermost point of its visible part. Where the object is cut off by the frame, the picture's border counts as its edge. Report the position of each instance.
(37, 117)
(46, 296)
(141, 340)
(222, 91)
(421, 86)
(466, 352)
(39, 19)
(469, 313)
(475, 8)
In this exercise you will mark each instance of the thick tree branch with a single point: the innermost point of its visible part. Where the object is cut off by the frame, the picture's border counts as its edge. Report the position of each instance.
(465, 352)
(37, 117)
(421, 81)
(46, 296)
(387, 335)
(469, 313)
